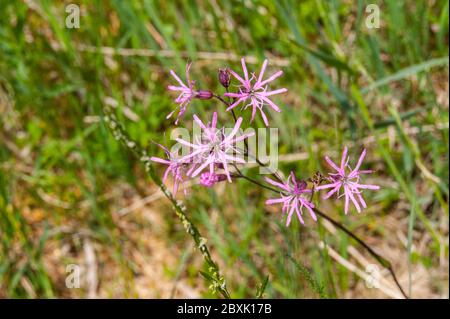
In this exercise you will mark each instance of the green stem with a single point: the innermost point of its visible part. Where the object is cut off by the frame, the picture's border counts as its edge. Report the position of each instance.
(381, 260)
(218, 284)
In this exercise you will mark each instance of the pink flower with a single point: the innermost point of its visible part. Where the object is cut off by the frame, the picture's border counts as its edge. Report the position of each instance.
(214, 148)
(292, 197)
(209, 179)
(349, 182)
(175, 167)
(255, 93)
(187, 93)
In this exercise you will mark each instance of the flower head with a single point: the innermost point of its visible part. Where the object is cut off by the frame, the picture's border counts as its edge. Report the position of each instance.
(175, 166)
(187, 93)
(292, 197)
(255, 94)
(214, 148)
(347, 179)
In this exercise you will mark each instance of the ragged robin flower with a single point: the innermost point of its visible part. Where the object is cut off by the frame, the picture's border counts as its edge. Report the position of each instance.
(187, 93)
(347, 180)
(293, 197)
(214, 147)
(175, 167)
(254, 93)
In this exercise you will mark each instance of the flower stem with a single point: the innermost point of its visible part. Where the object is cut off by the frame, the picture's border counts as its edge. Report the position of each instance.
(381, 260)
(218, 284)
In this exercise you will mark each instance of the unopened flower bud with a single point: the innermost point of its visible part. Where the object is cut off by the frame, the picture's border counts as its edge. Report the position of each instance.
(204, 95)
(209, 179)
(224, 77)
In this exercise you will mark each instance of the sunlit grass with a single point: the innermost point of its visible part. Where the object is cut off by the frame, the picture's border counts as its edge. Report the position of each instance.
(63, 177)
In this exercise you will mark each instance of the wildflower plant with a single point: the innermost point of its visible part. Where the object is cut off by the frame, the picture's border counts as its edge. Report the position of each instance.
(216, 154)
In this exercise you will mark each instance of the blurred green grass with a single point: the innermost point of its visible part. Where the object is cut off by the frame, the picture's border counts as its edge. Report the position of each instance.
(63, 177)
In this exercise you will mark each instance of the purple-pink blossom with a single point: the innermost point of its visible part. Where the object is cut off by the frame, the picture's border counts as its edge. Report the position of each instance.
(208, 179)
(348, 181)
(214, 148)
(255, 94)
(175, 167)
(293, 198)
(187, 93)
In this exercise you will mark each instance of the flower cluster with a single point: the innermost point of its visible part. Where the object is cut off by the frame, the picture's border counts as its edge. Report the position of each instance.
(213, 155)
(293, 198)
(213, 148)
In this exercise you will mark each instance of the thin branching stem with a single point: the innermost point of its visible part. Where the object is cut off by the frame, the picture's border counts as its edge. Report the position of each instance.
(383, 261)
(217, 281)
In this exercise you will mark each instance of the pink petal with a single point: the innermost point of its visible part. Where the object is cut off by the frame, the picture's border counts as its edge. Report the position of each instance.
(242, 137)
(346, 203)
(170, 114)
(273, 105)
(273, 77)
(365, 186)
(264, 117)
(311, 212)
(327, 186)
(235, 129)
(254, 108)
(352, 198)
(178, 79)
(236, 94)
(159, 160)
(343, 159)
(175, 88)
(332, 164)
(199, 122)
(291, 211)
(365, 171)
(277, 184)
(186, 143)
(362, 201)
(261, 73)
(188, 67)
(214, 120)
(334, 190)
(232, 159)
(227, 172)
(244, 68)
(166, 173)
(244, 83)
(269, 93)
(201, 168)
(236, 103)
(299, 215)
(361, 158)
(274, 201)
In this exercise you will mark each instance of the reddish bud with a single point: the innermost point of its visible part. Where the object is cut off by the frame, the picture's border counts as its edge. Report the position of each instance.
(224, 77)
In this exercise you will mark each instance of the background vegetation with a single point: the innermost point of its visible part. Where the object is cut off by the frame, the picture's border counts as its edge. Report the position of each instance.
(70, 194)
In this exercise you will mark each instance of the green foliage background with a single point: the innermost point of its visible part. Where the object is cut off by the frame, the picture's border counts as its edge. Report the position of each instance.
(65, 181)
